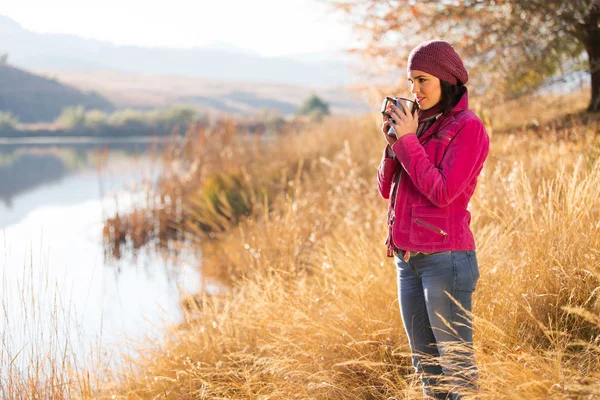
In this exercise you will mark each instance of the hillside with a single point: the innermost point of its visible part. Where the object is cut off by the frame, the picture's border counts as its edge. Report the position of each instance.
(145, 91)
(33, 98)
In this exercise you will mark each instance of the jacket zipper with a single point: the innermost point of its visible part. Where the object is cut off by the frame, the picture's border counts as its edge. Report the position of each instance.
(445, 137)
(431, 227)
(392, 212)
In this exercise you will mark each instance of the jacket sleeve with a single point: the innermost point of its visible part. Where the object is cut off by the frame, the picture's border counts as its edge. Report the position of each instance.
(385, 174)
(461, 163)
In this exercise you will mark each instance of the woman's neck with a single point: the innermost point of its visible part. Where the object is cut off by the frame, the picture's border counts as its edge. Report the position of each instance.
(424, 114)
(431, 111)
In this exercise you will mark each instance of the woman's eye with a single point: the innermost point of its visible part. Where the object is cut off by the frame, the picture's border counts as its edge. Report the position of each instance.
(421, 80)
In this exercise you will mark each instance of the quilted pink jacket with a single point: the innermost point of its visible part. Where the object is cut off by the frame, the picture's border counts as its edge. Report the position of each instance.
(440, 174)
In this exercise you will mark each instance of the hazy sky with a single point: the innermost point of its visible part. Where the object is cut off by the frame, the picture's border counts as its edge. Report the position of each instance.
(270, 27)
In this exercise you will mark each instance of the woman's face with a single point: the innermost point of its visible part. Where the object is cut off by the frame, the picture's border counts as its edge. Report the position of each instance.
(426, 88)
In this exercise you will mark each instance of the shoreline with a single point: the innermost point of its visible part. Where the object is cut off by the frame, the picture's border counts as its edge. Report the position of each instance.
(82, 139)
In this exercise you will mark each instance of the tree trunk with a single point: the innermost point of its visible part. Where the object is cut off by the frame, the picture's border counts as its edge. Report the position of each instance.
(592, 45)
(595, 72)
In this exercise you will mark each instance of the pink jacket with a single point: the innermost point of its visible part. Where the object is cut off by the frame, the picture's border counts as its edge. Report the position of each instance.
(439, 178)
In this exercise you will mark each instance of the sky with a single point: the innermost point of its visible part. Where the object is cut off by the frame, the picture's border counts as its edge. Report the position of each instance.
(268, 27)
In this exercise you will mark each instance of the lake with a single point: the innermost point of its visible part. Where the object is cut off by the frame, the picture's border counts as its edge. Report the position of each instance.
(57, 286)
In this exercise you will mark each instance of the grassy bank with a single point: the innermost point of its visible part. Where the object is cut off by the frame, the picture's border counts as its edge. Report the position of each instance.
(312, 312)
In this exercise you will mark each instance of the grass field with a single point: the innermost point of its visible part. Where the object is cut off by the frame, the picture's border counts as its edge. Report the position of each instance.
(296, 232)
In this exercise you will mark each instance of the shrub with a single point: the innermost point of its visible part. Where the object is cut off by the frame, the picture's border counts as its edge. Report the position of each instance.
(8, 120)
(71, 117)
(314, 107)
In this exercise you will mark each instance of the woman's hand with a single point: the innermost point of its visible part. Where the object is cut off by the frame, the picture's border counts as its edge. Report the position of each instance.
(385, 128)
(404, 123)
(387, 124)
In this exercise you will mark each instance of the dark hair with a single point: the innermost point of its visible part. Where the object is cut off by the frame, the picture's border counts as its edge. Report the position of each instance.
(451, 95)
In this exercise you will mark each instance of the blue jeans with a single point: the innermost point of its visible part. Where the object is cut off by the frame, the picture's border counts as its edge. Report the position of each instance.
(435, 294)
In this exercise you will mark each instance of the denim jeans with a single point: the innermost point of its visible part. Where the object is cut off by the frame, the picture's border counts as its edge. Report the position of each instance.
(435, 292)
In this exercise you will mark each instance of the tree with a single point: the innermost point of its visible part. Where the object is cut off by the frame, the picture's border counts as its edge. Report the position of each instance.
(517, 43)
(314, 107)
(94, 118)
(71, 117)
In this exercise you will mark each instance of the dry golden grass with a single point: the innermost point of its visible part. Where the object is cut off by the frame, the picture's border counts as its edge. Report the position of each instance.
(38, 344)
(312, 312)
(549, 111)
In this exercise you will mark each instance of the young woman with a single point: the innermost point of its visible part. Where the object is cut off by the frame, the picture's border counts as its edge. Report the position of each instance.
(429, 172)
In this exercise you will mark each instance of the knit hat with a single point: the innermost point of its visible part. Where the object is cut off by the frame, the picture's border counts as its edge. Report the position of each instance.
(439, 59)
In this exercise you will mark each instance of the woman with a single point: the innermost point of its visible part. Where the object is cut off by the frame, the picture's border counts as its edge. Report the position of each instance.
(429, 172)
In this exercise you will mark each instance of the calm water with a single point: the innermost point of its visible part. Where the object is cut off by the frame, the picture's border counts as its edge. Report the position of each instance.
(55, 285)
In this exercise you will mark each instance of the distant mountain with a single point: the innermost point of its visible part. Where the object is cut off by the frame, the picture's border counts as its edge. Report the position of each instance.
(220, 45)
(45, 52)
(34, 98)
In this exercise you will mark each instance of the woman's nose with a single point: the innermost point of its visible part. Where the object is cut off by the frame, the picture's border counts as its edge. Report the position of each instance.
(414, 89)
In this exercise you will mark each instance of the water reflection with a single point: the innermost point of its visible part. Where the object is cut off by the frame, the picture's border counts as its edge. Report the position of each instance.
(29, 163)
(25, 171)
(55, 202)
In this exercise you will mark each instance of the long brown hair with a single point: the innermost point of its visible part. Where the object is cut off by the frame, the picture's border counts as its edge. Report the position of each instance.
(451, 95)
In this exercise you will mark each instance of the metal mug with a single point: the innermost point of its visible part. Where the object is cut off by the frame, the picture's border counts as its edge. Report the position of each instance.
(406, 105)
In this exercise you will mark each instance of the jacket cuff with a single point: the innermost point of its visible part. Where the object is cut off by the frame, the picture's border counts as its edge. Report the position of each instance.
(401, 146)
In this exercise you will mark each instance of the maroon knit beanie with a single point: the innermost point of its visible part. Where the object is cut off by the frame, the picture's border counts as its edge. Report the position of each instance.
(439, 59)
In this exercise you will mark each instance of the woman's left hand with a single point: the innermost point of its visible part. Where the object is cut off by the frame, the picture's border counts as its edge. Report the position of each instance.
(405, 123)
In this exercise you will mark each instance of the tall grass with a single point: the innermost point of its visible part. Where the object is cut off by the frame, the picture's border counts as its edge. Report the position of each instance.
(313, 314)
(312, 311)
(40, 352)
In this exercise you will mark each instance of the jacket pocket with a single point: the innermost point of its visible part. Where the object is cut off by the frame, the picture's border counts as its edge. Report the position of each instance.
(445, 137)
(428, 225)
